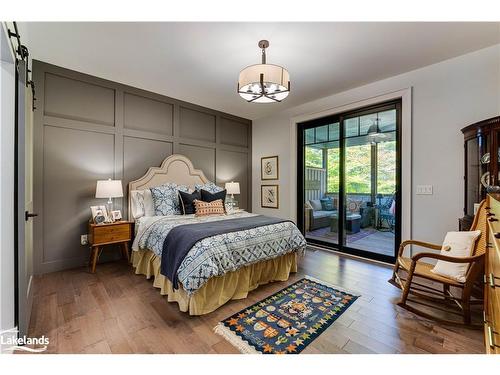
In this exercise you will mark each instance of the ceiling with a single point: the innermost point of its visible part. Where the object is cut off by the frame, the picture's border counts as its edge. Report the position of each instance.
(199, 62)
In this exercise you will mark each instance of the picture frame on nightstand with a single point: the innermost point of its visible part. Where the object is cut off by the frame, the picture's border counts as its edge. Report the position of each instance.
(99, 214)
(116, 215)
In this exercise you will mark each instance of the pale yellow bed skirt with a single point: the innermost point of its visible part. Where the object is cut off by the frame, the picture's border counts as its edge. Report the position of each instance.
(218, 290)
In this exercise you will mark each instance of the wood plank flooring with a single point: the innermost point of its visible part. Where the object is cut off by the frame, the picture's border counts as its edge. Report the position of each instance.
(116, 311)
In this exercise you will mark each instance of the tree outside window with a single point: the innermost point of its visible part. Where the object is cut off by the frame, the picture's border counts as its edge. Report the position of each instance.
(358, 167)
(314, 157)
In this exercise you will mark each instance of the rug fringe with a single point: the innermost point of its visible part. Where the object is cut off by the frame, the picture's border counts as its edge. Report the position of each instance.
(234, 339)
(319, 281)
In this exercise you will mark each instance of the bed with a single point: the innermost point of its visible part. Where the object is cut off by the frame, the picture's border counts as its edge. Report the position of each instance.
(224, 266)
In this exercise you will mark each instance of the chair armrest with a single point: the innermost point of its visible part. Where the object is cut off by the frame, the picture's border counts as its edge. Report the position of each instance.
(419, 243)
(309, 212)
(446, 258)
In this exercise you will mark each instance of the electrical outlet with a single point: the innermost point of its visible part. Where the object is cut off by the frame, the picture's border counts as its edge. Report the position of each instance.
(84, 240)
(424, 190)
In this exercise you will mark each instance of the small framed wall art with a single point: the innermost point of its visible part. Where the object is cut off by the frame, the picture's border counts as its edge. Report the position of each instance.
(269, 196)
(269, 168)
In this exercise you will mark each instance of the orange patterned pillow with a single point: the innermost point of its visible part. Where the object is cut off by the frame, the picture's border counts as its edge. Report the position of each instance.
(209, 208)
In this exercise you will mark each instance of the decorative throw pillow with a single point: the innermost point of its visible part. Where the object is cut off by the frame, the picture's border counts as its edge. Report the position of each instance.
(187, 201)
(461, 244)
(327, 204)
(149, 206)
(209, 186)
(137, 203)
(209, 208)
(315, 204)
(166, 199)
(207, 196)
(353, 205)
(142, 203)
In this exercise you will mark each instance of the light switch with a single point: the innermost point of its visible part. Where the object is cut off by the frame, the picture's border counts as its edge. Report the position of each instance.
(424, 189)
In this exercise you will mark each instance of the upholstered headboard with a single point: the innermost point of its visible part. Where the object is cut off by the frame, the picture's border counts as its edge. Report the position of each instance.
(175, 168)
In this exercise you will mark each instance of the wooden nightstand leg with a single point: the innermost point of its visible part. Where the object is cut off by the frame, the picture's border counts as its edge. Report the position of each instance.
(91, 258)
(91, 255)
(95, 251)
(125, 251)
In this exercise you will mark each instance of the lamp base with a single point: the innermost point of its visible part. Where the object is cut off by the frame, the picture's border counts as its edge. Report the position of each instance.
(109, 208)
(230, 201)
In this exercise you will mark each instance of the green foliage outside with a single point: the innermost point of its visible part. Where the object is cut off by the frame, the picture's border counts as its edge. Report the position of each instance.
(358, 167)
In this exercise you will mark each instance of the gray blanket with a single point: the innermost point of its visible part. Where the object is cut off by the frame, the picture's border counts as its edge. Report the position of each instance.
(183, 237)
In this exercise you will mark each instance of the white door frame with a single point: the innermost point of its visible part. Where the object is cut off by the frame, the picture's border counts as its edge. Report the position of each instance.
(7, 126)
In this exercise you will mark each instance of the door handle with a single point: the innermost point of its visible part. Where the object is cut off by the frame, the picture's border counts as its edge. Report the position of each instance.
(27, 215)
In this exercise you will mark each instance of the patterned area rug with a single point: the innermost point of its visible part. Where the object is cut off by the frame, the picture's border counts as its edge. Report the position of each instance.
(287, 321)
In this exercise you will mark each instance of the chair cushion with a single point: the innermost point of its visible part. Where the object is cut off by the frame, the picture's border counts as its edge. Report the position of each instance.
(462, 245)
(321, 214)
(315, 204)
(425, 270)
(353, 216)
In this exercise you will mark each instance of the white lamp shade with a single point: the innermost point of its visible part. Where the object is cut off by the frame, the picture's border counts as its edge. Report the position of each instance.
(276, 81)
(109, 189)
(232, 187)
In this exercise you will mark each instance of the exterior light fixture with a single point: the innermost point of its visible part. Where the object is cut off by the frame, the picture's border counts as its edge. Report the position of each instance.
(374, 134)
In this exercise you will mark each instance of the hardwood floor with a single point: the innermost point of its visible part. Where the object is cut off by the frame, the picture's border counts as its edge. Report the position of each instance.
(367, 239)
(116, 311)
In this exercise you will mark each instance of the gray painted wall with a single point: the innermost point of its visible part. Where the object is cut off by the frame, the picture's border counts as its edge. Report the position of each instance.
(88, 129)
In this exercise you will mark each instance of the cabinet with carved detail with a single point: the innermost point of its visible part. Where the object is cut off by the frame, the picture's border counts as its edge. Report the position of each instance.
(481, 164)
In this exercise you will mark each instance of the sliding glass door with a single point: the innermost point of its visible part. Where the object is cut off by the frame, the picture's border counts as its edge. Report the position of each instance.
(349, 181)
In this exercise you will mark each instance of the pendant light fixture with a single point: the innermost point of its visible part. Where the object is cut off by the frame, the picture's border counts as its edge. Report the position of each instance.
(374, 134)
(264, 83)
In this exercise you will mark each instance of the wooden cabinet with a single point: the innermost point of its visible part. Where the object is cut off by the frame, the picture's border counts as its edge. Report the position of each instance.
(492, 280)
(100, 235)
(481, 162)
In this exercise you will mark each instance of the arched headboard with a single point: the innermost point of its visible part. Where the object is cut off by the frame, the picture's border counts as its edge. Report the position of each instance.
(175, 168)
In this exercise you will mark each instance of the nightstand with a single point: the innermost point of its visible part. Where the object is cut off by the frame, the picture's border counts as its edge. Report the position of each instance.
(100, 235)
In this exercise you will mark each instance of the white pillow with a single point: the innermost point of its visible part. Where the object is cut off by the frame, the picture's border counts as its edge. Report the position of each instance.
(142, 203)
(149, 207)
(462, 244)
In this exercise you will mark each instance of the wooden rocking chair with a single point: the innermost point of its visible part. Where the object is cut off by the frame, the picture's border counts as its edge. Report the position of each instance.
(414, 267)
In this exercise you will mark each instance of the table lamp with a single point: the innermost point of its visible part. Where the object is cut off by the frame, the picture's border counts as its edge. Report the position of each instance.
(232, 188)
(109, 189)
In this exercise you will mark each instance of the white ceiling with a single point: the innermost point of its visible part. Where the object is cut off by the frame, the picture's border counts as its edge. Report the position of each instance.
(200, 62)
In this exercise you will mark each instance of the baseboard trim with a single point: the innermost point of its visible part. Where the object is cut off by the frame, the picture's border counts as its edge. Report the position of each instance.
(60, 265)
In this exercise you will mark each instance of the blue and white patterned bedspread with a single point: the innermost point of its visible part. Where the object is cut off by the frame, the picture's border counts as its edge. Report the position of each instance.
(217, 255)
